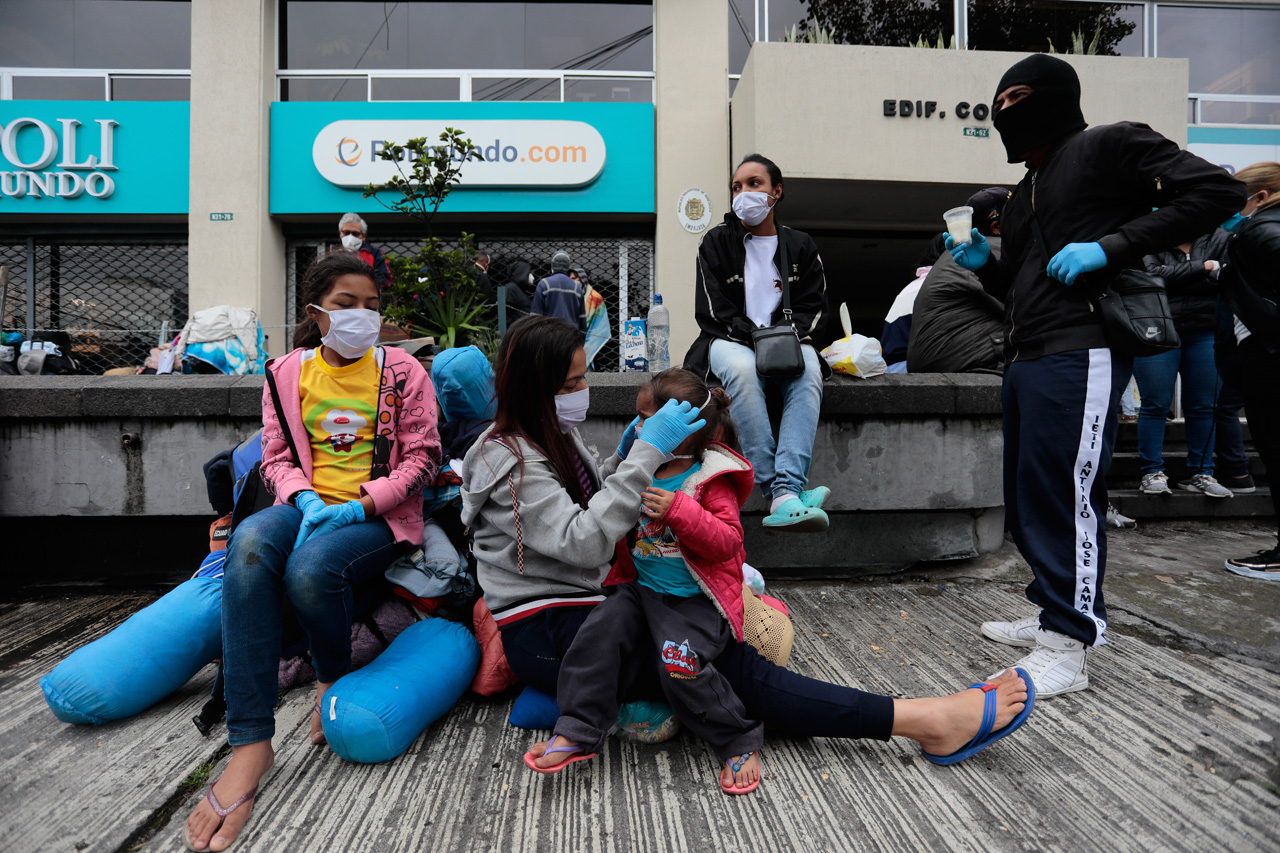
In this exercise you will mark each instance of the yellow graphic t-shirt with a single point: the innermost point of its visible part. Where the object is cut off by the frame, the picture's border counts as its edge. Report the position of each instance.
(340, 411)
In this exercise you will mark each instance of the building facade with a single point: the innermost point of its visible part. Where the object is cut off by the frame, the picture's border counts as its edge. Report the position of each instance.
(158, 157)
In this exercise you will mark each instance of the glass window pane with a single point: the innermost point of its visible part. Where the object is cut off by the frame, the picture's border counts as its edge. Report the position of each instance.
(633, 91)
(1232, 51)
(742, 22)
(415, 89)
(515, 89)
(1033, 25)
(891, 23)
(151, 88)
(324, 89)
(1226, 112)
(785, 14)
(95, 33)
(324, 34)
(59, 89)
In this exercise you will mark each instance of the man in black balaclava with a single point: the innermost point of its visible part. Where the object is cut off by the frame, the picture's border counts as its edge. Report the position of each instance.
(1102, 198)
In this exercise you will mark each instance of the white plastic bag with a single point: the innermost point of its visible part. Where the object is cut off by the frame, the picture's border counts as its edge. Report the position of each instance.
(856, 355)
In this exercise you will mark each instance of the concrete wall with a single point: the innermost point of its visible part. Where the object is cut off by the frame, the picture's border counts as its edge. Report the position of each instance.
(691, 57)
(913, 461)
(839, 130)
(241, 262)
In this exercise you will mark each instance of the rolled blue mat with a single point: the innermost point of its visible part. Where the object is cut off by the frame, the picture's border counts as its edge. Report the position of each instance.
(375, 713)
(151, 655)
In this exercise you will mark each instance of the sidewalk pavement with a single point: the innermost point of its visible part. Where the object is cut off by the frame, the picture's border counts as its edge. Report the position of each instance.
(1173, 748)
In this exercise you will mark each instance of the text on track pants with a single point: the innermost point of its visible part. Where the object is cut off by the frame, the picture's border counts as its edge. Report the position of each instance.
(1060, 422)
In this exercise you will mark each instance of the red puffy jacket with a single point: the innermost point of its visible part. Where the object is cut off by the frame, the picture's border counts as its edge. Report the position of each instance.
(705, 518)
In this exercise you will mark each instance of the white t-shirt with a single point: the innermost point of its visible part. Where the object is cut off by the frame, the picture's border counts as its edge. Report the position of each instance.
(762, 283)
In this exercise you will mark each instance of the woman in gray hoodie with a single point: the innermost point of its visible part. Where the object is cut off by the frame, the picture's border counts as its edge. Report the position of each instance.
(546, 519)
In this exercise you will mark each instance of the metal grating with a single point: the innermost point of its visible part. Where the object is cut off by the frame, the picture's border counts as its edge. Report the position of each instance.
(116, 299)
(606, 262)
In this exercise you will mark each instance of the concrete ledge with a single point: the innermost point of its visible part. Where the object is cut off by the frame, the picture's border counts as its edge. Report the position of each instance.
(612, 394)
(913, 462)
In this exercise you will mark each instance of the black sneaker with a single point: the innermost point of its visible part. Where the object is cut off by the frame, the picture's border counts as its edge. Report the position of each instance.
(1264, 565)
(1240, 485)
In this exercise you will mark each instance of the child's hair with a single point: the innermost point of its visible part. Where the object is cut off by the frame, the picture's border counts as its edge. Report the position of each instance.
(686, 387)
(320, 279)
(533, 363)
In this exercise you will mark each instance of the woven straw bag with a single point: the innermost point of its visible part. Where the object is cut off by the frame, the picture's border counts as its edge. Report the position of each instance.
(769, 630)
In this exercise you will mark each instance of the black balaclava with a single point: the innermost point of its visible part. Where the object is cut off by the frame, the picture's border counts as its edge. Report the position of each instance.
(1051, 110)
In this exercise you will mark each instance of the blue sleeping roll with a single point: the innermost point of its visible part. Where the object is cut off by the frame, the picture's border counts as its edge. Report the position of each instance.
(144, 660)
(375, 713)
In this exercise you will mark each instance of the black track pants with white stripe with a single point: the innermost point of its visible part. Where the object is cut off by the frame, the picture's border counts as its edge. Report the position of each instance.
(1060, 421)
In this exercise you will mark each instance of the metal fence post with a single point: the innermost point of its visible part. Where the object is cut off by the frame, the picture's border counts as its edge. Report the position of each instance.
(31, 287)
(502, 311)
(624, 285)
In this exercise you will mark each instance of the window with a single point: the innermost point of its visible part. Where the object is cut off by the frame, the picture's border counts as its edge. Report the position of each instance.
(592, 39)
(1233, 52)
(98, 34)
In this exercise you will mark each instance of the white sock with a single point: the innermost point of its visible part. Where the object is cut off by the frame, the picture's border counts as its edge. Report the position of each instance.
(779, 500)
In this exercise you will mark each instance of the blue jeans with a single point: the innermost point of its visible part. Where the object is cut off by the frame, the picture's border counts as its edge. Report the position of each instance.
(262, 569)
(1200, 384)
(783, 466)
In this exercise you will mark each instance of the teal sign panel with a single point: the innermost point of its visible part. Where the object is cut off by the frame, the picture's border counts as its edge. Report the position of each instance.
(86, 157)
(537, 158)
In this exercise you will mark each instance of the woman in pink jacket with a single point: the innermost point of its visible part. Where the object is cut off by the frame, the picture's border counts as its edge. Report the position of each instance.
(349, 441)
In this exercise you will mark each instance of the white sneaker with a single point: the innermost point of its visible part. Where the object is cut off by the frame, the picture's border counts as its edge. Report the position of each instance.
(1155, 483)
(1020, 633)
(1057, 665)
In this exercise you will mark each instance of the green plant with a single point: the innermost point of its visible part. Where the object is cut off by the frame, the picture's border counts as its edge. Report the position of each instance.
(811, 33)
(941, 45)
(197, 778)
(1078, 45)
(433, 291)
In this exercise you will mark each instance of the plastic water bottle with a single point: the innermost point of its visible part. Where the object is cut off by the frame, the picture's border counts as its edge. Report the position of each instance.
(659, 328)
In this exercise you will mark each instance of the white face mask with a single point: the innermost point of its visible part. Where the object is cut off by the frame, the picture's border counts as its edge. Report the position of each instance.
(352, 331)
(351, 242)
(752, 207)
(571, 409)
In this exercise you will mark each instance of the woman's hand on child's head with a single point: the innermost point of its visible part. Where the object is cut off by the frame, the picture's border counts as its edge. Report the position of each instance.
(655, 502)
(671, 425)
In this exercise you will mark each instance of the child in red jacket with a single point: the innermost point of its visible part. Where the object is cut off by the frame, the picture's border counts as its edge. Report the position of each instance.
(677, 602)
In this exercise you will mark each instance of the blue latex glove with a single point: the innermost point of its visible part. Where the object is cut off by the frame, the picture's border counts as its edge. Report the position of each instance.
(338, 516)
(628, 438)
(972, 255)
(310, 505)
(671, 425)
(1074, 259)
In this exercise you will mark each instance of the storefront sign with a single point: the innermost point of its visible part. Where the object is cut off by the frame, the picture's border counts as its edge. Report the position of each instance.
(93, 157)
(514, 153)
(578, 157)
(1233, 148)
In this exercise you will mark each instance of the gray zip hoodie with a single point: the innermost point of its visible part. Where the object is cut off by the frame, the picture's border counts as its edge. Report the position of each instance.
(567, 549)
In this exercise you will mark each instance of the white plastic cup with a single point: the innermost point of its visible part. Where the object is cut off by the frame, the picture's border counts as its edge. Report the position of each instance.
(960, 223)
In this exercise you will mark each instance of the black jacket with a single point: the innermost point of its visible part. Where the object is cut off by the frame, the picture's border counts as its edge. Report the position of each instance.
(1098, 185)
(1193, 290)
(1249, 284)
(956, 326)
(720, 298)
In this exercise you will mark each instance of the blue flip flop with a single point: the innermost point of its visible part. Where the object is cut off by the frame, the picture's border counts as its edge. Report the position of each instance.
(985, 737)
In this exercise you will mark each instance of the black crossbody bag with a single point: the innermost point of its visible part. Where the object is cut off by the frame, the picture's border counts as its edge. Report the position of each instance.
(778, 353)
(1136, 317)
